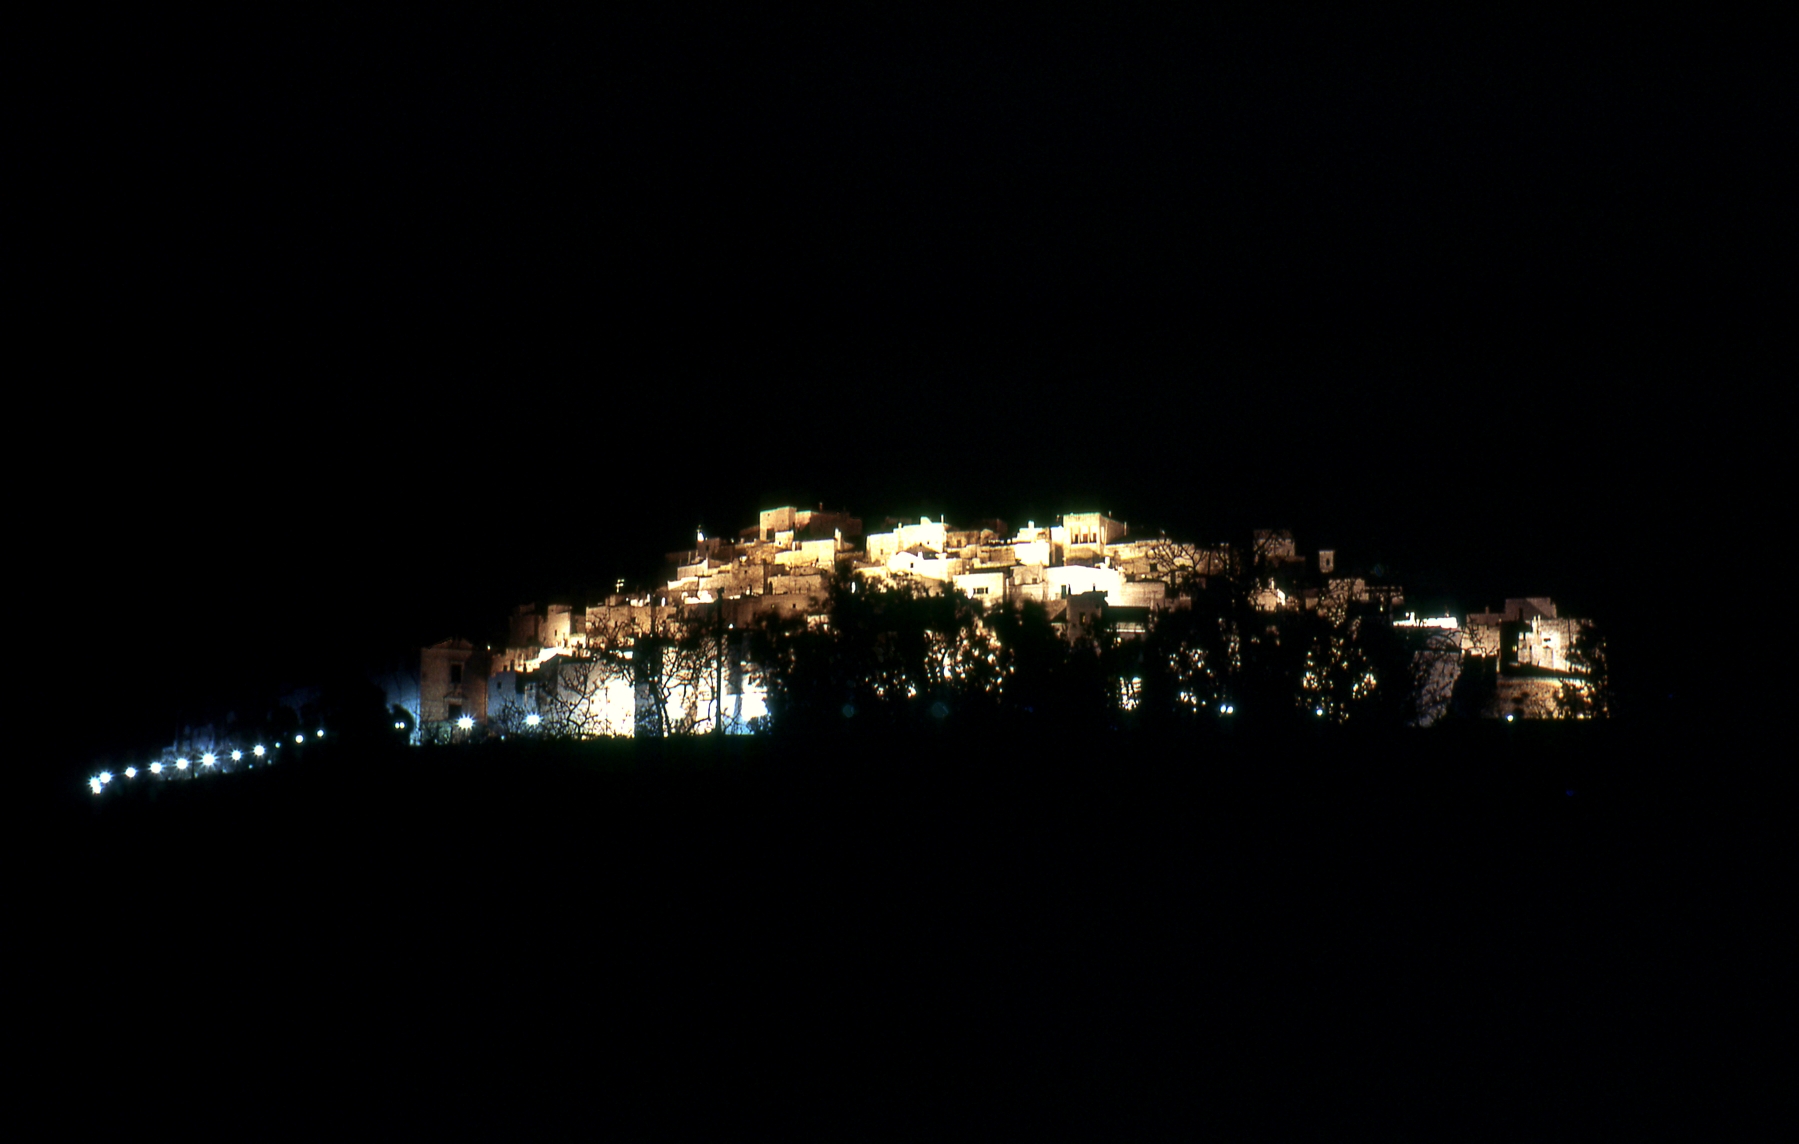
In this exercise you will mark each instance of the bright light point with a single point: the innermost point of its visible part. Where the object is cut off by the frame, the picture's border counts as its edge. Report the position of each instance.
(105, 777)
(1510, 717)
(94, 785)
(299, 739)
(237, 756)
(208, 759)
(130, 772)
(533, 719)
(399, 726)
(257, 750)
(1317, 710)
(181, 764)
(321, 732)
(466, 722)
(156, 768)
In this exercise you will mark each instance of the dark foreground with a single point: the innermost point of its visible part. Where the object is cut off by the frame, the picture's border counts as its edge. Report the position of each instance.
(1120, 939)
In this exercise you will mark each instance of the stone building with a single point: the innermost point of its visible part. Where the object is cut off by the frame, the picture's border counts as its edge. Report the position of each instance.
(453, 683)
(1521, 661)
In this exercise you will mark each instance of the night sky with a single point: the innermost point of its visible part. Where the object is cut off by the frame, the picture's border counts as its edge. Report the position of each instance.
(377, 329)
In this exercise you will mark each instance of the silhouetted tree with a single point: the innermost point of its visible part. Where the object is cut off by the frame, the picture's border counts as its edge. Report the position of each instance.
(1187, 666)
(1589, 697)
(906, 653)
(1032, 664)
(676, 671)
(354, 707)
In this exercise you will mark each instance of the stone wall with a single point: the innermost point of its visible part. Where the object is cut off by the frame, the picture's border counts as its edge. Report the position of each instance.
(442, 695)
(1539, 643)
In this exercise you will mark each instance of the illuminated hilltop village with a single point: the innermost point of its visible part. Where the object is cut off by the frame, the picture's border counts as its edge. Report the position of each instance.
(674, 658)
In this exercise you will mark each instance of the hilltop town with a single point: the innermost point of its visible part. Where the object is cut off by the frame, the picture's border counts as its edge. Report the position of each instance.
(675, 658)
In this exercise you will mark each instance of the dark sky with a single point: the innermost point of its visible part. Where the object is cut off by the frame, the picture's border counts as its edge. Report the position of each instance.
(380, 327)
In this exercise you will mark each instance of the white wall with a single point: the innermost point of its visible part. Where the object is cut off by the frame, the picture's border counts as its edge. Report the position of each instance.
(1077, 579)
(929, 567)
(983, 587)
(927, 532)
(1032, 552)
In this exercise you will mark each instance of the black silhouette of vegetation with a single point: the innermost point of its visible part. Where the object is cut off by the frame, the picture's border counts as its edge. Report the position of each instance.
(914, 656)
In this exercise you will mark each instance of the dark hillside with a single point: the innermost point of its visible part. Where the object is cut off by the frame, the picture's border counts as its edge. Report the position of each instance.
(1521, 932)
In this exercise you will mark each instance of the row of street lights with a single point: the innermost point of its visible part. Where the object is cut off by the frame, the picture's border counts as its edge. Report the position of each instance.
(208, 762)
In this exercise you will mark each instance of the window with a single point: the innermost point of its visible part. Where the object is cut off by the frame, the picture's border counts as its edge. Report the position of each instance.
(455, 673)
(453, 710)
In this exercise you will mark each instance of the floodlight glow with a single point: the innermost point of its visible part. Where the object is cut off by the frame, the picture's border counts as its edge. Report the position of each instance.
(299, 739)
(94, 784)
(398, 726)
(105, 777)
(1509, 717)
(130, 772)
(321, 732)
(156, 768)
(533, 719)
(465, 723)
(208, 759)
(237, 756)
(1317, 710)
(181, 764)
